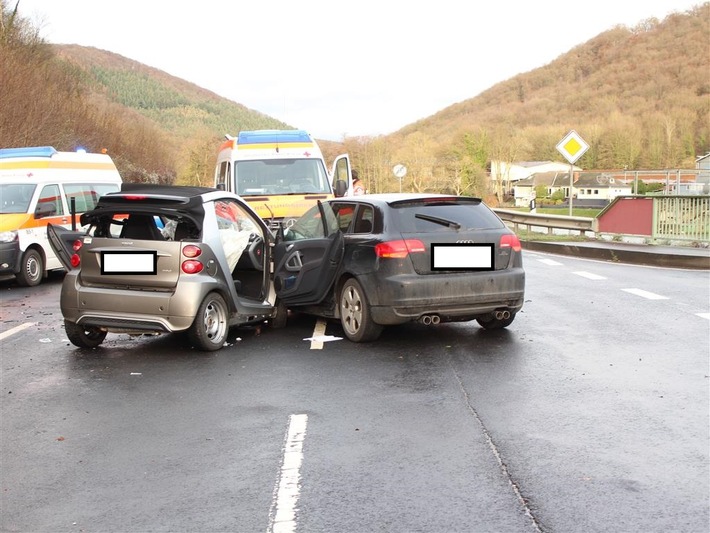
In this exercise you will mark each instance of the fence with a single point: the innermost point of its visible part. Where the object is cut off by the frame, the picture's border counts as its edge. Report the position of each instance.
(682, 218)
(654, 218)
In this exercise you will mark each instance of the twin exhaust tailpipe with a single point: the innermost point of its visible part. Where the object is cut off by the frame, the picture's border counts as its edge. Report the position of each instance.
(430, 320)
(433, 320)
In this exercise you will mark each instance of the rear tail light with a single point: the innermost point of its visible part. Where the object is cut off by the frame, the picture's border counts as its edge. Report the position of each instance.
(511, 241)
(75, 259)
(399, 249)
(191, 265)
(191, 251)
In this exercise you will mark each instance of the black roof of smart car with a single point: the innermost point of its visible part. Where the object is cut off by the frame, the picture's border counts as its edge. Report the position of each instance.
(152, 198)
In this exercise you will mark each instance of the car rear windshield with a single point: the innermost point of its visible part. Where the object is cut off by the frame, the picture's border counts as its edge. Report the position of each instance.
(430, 215)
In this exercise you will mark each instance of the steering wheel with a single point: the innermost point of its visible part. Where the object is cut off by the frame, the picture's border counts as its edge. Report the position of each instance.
(255, 250)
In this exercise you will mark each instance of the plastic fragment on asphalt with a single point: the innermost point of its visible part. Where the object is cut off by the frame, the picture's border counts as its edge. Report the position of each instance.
(45, 340)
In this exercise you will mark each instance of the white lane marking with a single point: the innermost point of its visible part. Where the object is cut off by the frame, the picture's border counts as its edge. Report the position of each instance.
(646, 294)
(318, 331)
(550, 262)
(589, 275)
(282, 516)
(703, 315)
(16, 329)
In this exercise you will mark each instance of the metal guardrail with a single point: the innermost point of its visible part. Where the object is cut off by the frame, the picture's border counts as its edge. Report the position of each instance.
(551, 222)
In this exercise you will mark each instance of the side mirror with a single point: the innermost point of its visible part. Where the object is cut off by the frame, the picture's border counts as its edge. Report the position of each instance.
(341, 187)
(45, 209)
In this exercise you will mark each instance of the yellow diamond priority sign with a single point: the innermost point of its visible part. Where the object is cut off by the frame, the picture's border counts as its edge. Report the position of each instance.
(572, 146)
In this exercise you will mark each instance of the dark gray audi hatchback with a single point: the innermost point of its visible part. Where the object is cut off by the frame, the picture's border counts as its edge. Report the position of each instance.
(385, 259)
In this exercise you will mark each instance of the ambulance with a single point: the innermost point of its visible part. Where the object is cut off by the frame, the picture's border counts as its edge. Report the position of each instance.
(280, 173)
(40, 185)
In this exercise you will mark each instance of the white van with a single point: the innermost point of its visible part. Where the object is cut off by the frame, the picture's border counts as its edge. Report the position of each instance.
(38, 186)
(280, 173)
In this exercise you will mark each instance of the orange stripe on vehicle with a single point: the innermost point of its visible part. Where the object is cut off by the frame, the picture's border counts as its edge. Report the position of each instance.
(8, 165)
(11, 222)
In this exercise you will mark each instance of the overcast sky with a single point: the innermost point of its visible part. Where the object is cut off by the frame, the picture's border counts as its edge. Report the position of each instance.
(340, 67)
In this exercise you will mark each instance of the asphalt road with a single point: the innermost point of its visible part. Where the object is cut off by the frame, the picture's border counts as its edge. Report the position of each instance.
(590, 413)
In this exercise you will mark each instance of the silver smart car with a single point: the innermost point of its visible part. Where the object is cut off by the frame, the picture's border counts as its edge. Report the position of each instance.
(163, 259)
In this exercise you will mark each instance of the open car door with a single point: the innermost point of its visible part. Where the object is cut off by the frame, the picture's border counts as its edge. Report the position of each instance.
(307, 257)
(342, 176)
(62, 241)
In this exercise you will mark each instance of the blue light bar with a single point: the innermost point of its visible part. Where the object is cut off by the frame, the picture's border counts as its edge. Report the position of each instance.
(273, 136)
(34, 151)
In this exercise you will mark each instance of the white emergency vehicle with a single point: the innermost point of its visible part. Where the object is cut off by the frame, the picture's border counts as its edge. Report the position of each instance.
(38, 186)
(280, 173)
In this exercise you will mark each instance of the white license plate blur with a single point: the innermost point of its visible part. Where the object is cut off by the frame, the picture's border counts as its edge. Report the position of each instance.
(462, 256)
(129, 262)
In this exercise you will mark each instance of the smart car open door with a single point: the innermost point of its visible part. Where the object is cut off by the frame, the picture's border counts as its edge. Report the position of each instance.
(62, 241)
(307, 257)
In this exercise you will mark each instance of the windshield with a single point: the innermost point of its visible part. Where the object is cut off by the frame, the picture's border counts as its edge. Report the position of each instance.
(16, 197)
(280, 176)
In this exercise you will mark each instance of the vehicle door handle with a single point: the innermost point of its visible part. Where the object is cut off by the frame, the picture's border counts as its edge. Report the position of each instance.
(294, 263)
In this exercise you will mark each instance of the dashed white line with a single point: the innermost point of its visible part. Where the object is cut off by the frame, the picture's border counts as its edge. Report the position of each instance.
(550, 262)
(282, 517)
(16, 329)
(646, 294)
(589, 275)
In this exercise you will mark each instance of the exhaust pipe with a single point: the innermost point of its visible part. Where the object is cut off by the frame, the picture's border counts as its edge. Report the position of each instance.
(430, 320)
(502, 314)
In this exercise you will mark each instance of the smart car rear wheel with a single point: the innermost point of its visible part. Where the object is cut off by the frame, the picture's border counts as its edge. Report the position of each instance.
(89, 337)
(31, 269)
(355, 315)
(210, 328)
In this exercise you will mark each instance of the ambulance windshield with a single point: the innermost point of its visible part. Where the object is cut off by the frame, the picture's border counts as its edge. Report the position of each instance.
(281, 176)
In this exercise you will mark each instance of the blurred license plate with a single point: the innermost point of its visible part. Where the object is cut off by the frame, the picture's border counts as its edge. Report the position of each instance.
(462, 256)
(129, 262)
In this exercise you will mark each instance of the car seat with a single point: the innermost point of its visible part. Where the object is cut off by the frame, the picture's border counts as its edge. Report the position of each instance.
(141, 227)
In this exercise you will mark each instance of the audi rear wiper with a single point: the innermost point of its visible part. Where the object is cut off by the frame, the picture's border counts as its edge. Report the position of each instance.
(437, 220)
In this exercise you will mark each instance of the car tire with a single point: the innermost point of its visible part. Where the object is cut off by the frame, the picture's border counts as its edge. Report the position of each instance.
(211, 326)
(495, 323)
(280, 318)
(355, 315)
(31, 269)
(82, 337)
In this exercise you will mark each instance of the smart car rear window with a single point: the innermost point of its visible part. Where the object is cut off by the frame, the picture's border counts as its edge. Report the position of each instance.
(426, 217)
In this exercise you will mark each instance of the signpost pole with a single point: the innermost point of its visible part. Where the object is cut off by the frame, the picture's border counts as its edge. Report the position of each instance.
(571, 184)
(572, 146)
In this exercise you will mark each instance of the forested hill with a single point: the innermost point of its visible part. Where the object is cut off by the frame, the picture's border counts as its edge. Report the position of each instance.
(640, 96)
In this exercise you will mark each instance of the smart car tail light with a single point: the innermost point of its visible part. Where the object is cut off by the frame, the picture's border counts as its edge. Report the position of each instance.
(511, 241)
(191, 251)
(399, 249)
(75, 259)
(191, 265)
